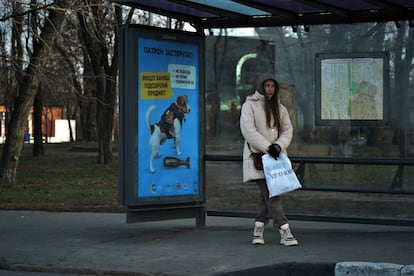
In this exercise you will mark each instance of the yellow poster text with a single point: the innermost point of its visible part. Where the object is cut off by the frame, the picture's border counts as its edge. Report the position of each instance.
(155, 85)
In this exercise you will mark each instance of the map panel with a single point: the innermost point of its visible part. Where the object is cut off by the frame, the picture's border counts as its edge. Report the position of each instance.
(352, 89)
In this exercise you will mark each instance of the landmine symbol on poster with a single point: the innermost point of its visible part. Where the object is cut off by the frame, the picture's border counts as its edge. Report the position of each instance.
(174, 162)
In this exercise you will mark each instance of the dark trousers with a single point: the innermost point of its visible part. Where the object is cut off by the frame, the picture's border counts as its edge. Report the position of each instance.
(269, 208)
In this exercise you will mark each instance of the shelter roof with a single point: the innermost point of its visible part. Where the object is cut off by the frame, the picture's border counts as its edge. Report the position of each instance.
(206, 14)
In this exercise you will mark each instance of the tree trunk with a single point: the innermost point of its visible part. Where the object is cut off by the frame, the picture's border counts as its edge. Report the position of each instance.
(403, 60)
(87, 102)
(37, 125)
(28, 89)
(70, 116)
(104, 141)
(218, 65)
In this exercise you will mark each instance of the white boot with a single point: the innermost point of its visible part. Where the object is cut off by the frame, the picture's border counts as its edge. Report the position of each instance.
(286, 237)
(258, 232)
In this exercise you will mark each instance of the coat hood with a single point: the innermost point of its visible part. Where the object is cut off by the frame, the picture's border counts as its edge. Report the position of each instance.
(262, 78)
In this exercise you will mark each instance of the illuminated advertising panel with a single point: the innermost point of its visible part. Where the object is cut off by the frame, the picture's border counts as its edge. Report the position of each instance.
(168, 88)
(161, 107)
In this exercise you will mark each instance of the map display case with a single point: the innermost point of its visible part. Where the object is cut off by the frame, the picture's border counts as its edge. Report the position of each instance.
(352, 88)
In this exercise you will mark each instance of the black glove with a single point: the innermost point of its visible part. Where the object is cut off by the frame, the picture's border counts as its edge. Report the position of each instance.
(274, 150)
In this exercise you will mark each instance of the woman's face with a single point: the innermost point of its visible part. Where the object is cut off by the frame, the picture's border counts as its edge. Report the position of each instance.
(269, 88)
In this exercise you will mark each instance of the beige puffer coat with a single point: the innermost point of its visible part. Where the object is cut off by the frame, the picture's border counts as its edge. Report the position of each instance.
(256, 132)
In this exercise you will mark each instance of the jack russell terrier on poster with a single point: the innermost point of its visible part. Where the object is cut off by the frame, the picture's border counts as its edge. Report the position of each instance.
(169, 127)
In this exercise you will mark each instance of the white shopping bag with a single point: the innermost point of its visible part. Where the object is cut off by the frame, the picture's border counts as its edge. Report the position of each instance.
(280, 176)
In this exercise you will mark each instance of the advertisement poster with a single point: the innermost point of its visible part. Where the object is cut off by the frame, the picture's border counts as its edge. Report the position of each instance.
(168, 117)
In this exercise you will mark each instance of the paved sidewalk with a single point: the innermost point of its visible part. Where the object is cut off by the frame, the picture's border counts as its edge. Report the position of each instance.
(35, 243)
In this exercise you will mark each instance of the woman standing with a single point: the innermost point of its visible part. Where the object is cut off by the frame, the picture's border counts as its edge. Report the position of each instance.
(266, 128)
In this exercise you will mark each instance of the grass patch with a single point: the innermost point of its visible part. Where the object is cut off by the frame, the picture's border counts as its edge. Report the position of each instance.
(63, 180)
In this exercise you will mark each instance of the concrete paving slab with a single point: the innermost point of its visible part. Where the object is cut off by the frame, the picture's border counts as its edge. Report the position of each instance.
(99, 243)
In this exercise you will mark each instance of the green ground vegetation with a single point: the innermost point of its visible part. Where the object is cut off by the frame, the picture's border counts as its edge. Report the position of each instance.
(63, 179)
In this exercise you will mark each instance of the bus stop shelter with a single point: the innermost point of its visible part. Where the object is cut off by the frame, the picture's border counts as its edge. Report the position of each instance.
(204, 16)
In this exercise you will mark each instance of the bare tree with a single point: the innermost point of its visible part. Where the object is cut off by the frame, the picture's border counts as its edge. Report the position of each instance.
(27, 89)
(99, 35)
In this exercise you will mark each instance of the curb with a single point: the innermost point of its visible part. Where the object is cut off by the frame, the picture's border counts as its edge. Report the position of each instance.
(367, 268)
(327, 269)
(287, 269)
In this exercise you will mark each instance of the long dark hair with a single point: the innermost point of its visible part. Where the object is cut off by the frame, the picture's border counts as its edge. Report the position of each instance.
(272, 109)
